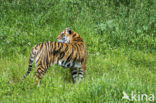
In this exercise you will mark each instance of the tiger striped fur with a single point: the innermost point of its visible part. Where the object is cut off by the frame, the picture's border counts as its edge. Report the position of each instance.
(68, 52)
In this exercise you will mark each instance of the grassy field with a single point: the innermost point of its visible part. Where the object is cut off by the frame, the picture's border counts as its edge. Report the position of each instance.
(121, 43)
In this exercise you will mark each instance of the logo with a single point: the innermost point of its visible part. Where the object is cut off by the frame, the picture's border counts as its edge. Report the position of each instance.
(138, 97)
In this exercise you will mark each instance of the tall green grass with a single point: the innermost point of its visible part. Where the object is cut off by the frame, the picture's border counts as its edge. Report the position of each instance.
(121, 45)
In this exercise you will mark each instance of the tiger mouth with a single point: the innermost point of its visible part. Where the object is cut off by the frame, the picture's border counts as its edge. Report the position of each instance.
(63, 40)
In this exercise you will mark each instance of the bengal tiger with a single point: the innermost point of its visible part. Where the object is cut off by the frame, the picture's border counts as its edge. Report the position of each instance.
(68, 52)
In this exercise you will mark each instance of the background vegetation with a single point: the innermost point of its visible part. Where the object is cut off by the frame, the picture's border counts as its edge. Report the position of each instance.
(121, 42)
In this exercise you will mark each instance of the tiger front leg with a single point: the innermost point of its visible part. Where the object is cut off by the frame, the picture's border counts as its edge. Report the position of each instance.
(80, 74)
(77, 74)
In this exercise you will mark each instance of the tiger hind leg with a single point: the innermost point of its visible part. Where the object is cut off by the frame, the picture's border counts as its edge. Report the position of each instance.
(40, 71)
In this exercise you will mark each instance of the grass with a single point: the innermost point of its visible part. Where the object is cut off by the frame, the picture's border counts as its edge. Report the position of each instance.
(121, 46)
(104, 82)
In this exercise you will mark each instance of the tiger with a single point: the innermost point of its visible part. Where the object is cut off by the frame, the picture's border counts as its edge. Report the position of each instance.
(69, 52)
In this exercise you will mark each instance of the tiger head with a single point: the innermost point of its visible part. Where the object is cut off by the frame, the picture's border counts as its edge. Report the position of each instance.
(68, 36)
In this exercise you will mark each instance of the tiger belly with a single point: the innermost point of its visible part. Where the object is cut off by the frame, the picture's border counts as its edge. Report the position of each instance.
(69, 64)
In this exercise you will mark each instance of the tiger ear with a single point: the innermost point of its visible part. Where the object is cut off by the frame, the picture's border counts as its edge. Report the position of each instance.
(68, 30)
